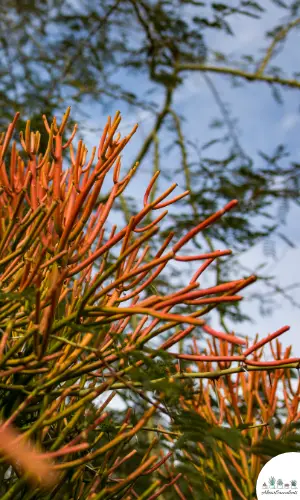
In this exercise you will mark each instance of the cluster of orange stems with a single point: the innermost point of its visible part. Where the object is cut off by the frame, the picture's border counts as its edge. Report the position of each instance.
(71, 312)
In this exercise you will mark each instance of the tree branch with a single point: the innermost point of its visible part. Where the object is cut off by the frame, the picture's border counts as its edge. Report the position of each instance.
(239, 73)
(158, 123)
(213, 375)
(278, 38)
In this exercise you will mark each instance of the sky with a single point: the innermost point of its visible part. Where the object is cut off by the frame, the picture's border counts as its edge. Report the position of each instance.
(262, 124)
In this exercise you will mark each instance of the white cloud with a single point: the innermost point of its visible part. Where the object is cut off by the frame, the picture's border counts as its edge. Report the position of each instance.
(289, 121)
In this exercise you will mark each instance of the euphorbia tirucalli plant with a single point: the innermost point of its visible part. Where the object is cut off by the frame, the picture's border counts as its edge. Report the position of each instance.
(263, 405)
(70, 288)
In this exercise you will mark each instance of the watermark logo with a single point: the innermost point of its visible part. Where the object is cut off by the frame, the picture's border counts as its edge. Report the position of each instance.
(280, 476)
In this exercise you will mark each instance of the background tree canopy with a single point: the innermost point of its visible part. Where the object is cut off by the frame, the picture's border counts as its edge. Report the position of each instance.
(141, 56)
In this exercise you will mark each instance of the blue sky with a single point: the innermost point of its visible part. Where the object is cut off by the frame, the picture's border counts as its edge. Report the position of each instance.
(262, 125)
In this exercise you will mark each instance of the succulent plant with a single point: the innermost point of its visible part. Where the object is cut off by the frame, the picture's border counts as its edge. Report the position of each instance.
(77, 325)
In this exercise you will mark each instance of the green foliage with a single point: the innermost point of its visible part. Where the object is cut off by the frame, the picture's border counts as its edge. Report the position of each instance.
(195, 429)
(290, 442)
